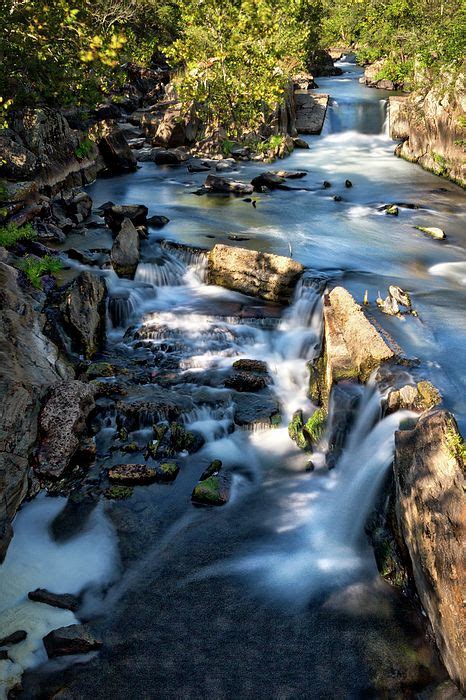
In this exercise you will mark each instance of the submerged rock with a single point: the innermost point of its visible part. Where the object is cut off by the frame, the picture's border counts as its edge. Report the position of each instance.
(74, 639)
(246, 381)
(271, 277)
(212, 470)
(65, 601)
(14, 638)
(212, 491)
(222, 185)
(267, 180)
(432, 231)
(252, 410)
(167, 471)
(124, 255)
(429, 476)
(62, 420)
(298, 142)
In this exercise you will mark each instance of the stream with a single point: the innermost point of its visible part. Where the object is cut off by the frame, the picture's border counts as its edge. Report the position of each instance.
(276, 594)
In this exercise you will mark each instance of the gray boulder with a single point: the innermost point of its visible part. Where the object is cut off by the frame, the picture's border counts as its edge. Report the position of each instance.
(74, 639)
(82, 312)
(124, 255)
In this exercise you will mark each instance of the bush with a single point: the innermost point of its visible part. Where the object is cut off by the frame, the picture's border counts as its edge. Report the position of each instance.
(12, 233)
(84, 148)
(34, 268)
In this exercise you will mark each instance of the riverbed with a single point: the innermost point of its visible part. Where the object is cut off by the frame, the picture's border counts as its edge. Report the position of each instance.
(276, 594)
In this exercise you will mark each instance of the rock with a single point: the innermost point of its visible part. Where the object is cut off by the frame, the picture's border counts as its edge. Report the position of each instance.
(115, 215)
(225, 164)
(195, 165)
(77, 206)
(337, 198)
(46, 133)
(124, 255)
(388, 306)
(400, 296)
(213, 491)
(167, 471)
(320, 62)
(19, 192)
(429, 478)
(253, 411)
(250, 366)
(222, 185)
(157, 221)
(300, 143)
(113, 146)
(65, 601)
(291, 174)
(4, 655)
(430, 122)
(30, 364)
(62, 420)
(348, 183)
(246, 381)
(74, 639)
(304, 81)
(371, 79)
(306, 434)
(173, 156)
(177, 128)
(83, 313)
(414, 397)
(14, 638)
(311, 109)
(146, 154)
(271, 277)
(353, 347)
(132, 474)
(327, 185)
(118, 493)
(212, 470)
(392, 210)
(432, 231)
(268, 180)
(17, 162)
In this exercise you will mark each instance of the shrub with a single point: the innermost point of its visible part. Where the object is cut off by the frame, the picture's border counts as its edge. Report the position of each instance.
(34, 268)
(83, 149)
(12, 233)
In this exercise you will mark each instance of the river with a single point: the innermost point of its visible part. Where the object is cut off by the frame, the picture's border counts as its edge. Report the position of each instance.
(275, 595)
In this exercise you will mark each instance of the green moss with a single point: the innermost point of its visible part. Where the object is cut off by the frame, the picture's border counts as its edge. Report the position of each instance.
(295, 430)
(11, 234)
(315, 426)
(455, 443)
(119, 492)
(84, 148)
(180, 438)
(276, 420)
(130, 447)
(160, 430)
(35, 268)
(167, 471)
(392, 210)
(207, 491)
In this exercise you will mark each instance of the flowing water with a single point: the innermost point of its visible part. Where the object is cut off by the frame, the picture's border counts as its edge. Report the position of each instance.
(275, 595)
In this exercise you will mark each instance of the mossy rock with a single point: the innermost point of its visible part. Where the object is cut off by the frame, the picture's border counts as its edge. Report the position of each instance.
(392, 210)
(118, 493)
(213, 469)
(167, 471)
(132, 474)
(99, 369)
(213, 491)
(305, 435)
(130, 447)
(183, 440)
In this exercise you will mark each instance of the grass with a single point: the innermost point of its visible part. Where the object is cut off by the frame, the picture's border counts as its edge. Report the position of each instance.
(34, 268)
(270, 144)
(12, 233)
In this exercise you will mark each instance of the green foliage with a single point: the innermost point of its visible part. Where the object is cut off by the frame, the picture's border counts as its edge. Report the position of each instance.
(237, 57)
(12, 233)
(34, 268)
(429, 33)
(270, 144)
(84, 148)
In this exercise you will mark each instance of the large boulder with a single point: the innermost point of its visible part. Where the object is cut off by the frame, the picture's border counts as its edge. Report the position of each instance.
(124, 255)
(176, 128)
(46, 134)
(74, 639)
(83, 313)
(115, 150)
(311, 109)
(62, 421)
(429, 476)
(271, 277)
(353, 347)
(30, 364)
(17, 162)
(115, 215)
